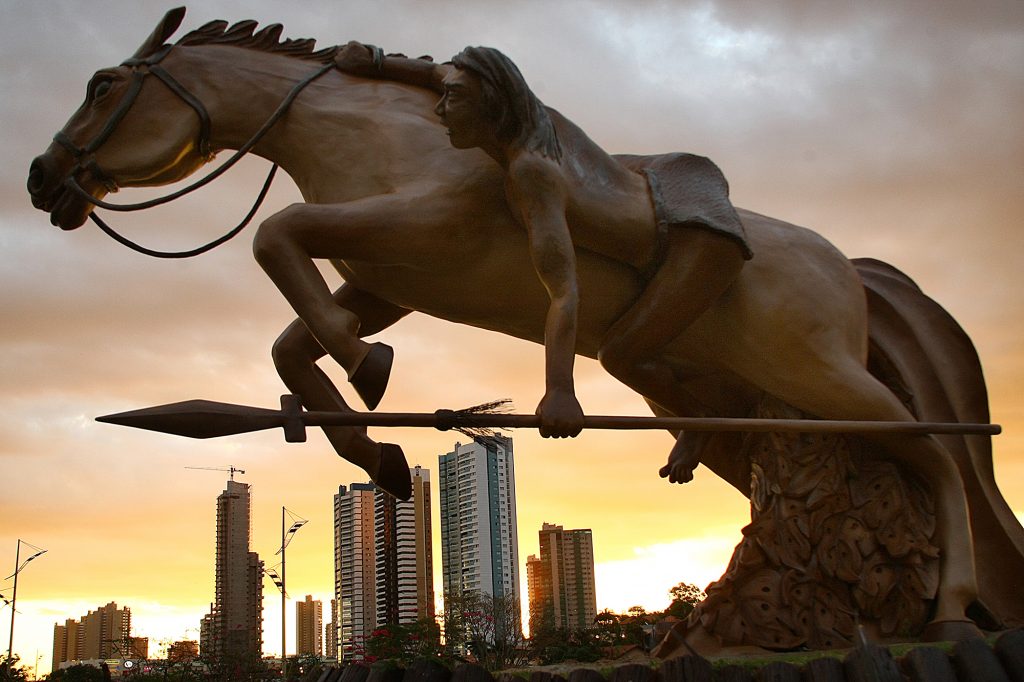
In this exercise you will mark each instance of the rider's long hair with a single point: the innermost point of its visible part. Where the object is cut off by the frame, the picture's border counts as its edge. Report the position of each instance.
(522, 120)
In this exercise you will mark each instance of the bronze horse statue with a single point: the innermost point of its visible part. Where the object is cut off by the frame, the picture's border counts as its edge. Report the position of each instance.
(420, 226)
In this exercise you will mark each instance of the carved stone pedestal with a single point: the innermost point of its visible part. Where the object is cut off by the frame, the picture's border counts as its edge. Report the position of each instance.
(838, 536)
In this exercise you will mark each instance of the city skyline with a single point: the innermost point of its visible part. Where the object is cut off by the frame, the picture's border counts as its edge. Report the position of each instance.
(892, 129)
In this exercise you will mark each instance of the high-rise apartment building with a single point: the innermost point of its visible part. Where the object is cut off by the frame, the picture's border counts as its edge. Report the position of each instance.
(479, 544)
(383, 561)
(331, 633)
(183, 651)
(65, 642)
(234, 627)
(404, 554)
(138, 647)
(309, 617)
(354, 568)
(100, 634)
(561, 581)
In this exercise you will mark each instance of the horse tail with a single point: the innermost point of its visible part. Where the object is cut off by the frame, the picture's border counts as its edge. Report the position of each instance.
(919, 351)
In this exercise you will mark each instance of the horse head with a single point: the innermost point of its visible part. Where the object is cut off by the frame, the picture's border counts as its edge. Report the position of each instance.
(131, 131)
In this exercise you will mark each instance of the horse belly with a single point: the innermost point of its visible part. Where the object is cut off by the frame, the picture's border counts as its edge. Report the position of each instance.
(489, 281)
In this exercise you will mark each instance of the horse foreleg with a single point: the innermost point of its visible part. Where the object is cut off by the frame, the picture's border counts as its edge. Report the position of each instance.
(285, 247)
(295, 355)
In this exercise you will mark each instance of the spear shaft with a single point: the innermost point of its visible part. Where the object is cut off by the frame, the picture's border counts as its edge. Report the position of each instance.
(439, 420)
(206, 419)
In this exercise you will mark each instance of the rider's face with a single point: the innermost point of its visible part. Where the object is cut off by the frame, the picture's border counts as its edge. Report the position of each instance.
(462, 110)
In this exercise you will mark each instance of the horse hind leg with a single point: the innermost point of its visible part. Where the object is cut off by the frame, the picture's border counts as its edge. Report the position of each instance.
(846, 390)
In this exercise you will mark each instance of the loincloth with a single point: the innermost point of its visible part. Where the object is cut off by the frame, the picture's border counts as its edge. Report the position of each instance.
(688, 191)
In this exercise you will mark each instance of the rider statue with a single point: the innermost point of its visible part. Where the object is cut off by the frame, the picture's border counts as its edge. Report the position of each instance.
(682, 234)
(684, 239)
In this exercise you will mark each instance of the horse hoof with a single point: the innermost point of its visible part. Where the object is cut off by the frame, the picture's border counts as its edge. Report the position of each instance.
(371, 375)
(393, 472)
(950, 631)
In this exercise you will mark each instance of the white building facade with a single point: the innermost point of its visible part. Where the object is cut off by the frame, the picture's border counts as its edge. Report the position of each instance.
(479, 542)
(354, 574)
(383, 561)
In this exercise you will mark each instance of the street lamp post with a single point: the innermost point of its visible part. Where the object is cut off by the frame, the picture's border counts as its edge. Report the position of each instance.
(279, 580)
(18, 566)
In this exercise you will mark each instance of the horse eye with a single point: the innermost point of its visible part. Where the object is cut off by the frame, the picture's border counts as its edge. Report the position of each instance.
(100, 88)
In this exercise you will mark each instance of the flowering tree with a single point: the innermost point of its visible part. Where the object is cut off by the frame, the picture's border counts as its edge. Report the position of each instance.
(403, 643)
(488, 628)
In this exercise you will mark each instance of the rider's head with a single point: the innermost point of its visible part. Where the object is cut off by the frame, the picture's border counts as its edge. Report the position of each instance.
(520, 119)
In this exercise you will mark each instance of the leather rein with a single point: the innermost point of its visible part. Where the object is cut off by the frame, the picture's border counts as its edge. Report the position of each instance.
(86, 161)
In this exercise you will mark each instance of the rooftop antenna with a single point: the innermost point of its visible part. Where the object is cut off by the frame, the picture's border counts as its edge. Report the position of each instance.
(230, 468)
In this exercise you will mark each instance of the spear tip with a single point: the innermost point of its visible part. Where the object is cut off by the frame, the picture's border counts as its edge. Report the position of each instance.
(197, 419)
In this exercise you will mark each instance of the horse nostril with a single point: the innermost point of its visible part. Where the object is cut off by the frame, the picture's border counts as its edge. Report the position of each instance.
(36, 177)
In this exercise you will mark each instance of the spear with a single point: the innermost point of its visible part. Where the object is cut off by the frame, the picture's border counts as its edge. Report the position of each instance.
(208, 419)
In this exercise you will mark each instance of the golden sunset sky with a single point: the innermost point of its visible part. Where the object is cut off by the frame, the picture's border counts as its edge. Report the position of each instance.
(893, 129)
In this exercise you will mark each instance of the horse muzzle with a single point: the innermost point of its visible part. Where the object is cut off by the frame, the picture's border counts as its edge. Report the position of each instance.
(47, 186)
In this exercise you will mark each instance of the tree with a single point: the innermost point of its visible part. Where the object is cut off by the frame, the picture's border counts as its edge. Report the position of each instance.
(404, 643)
(80, 673)
(490, 628)
(10, 671)
(555, 645)
(684, 598)
(618, 629)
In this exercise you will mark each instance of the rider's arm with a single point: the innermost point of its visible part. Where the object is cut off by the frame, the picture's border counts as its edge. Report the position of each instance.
(537, 193)
(371, 62)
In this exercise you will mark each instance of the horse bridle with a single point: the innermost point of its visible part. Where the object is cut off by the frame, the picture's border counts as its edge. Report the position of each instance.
(84, 159)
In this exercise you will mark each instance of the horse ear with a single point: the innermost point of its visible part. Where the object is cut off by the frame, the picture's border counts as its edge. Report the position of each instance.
(167, 26)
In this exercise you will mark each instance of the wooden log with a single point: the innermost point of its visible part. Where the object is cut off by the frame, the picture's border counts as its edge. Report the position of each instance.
(326, 674)
(824, 670)
(688, 668)
(471, 672)
(585, 675)
(734, 673)
(426, 670)
(354, 672)
(386, 673)
(779, 672)
(975, 661)
(545, 676)
(1010, 650)
(928, 664)
(871, 663)
(633, 672)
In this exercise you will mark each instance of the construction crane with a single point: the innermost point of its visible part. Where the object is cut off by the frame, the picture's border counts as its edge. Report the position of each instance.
(230, 468)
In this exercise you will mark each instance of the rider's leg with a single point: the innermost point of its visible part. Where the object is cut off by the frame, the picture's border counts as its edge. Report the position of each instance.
(698, 267)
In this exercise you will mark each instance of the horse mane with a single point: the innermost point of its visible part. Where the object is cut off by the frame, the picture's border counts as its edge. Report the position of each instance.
(267, 39)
